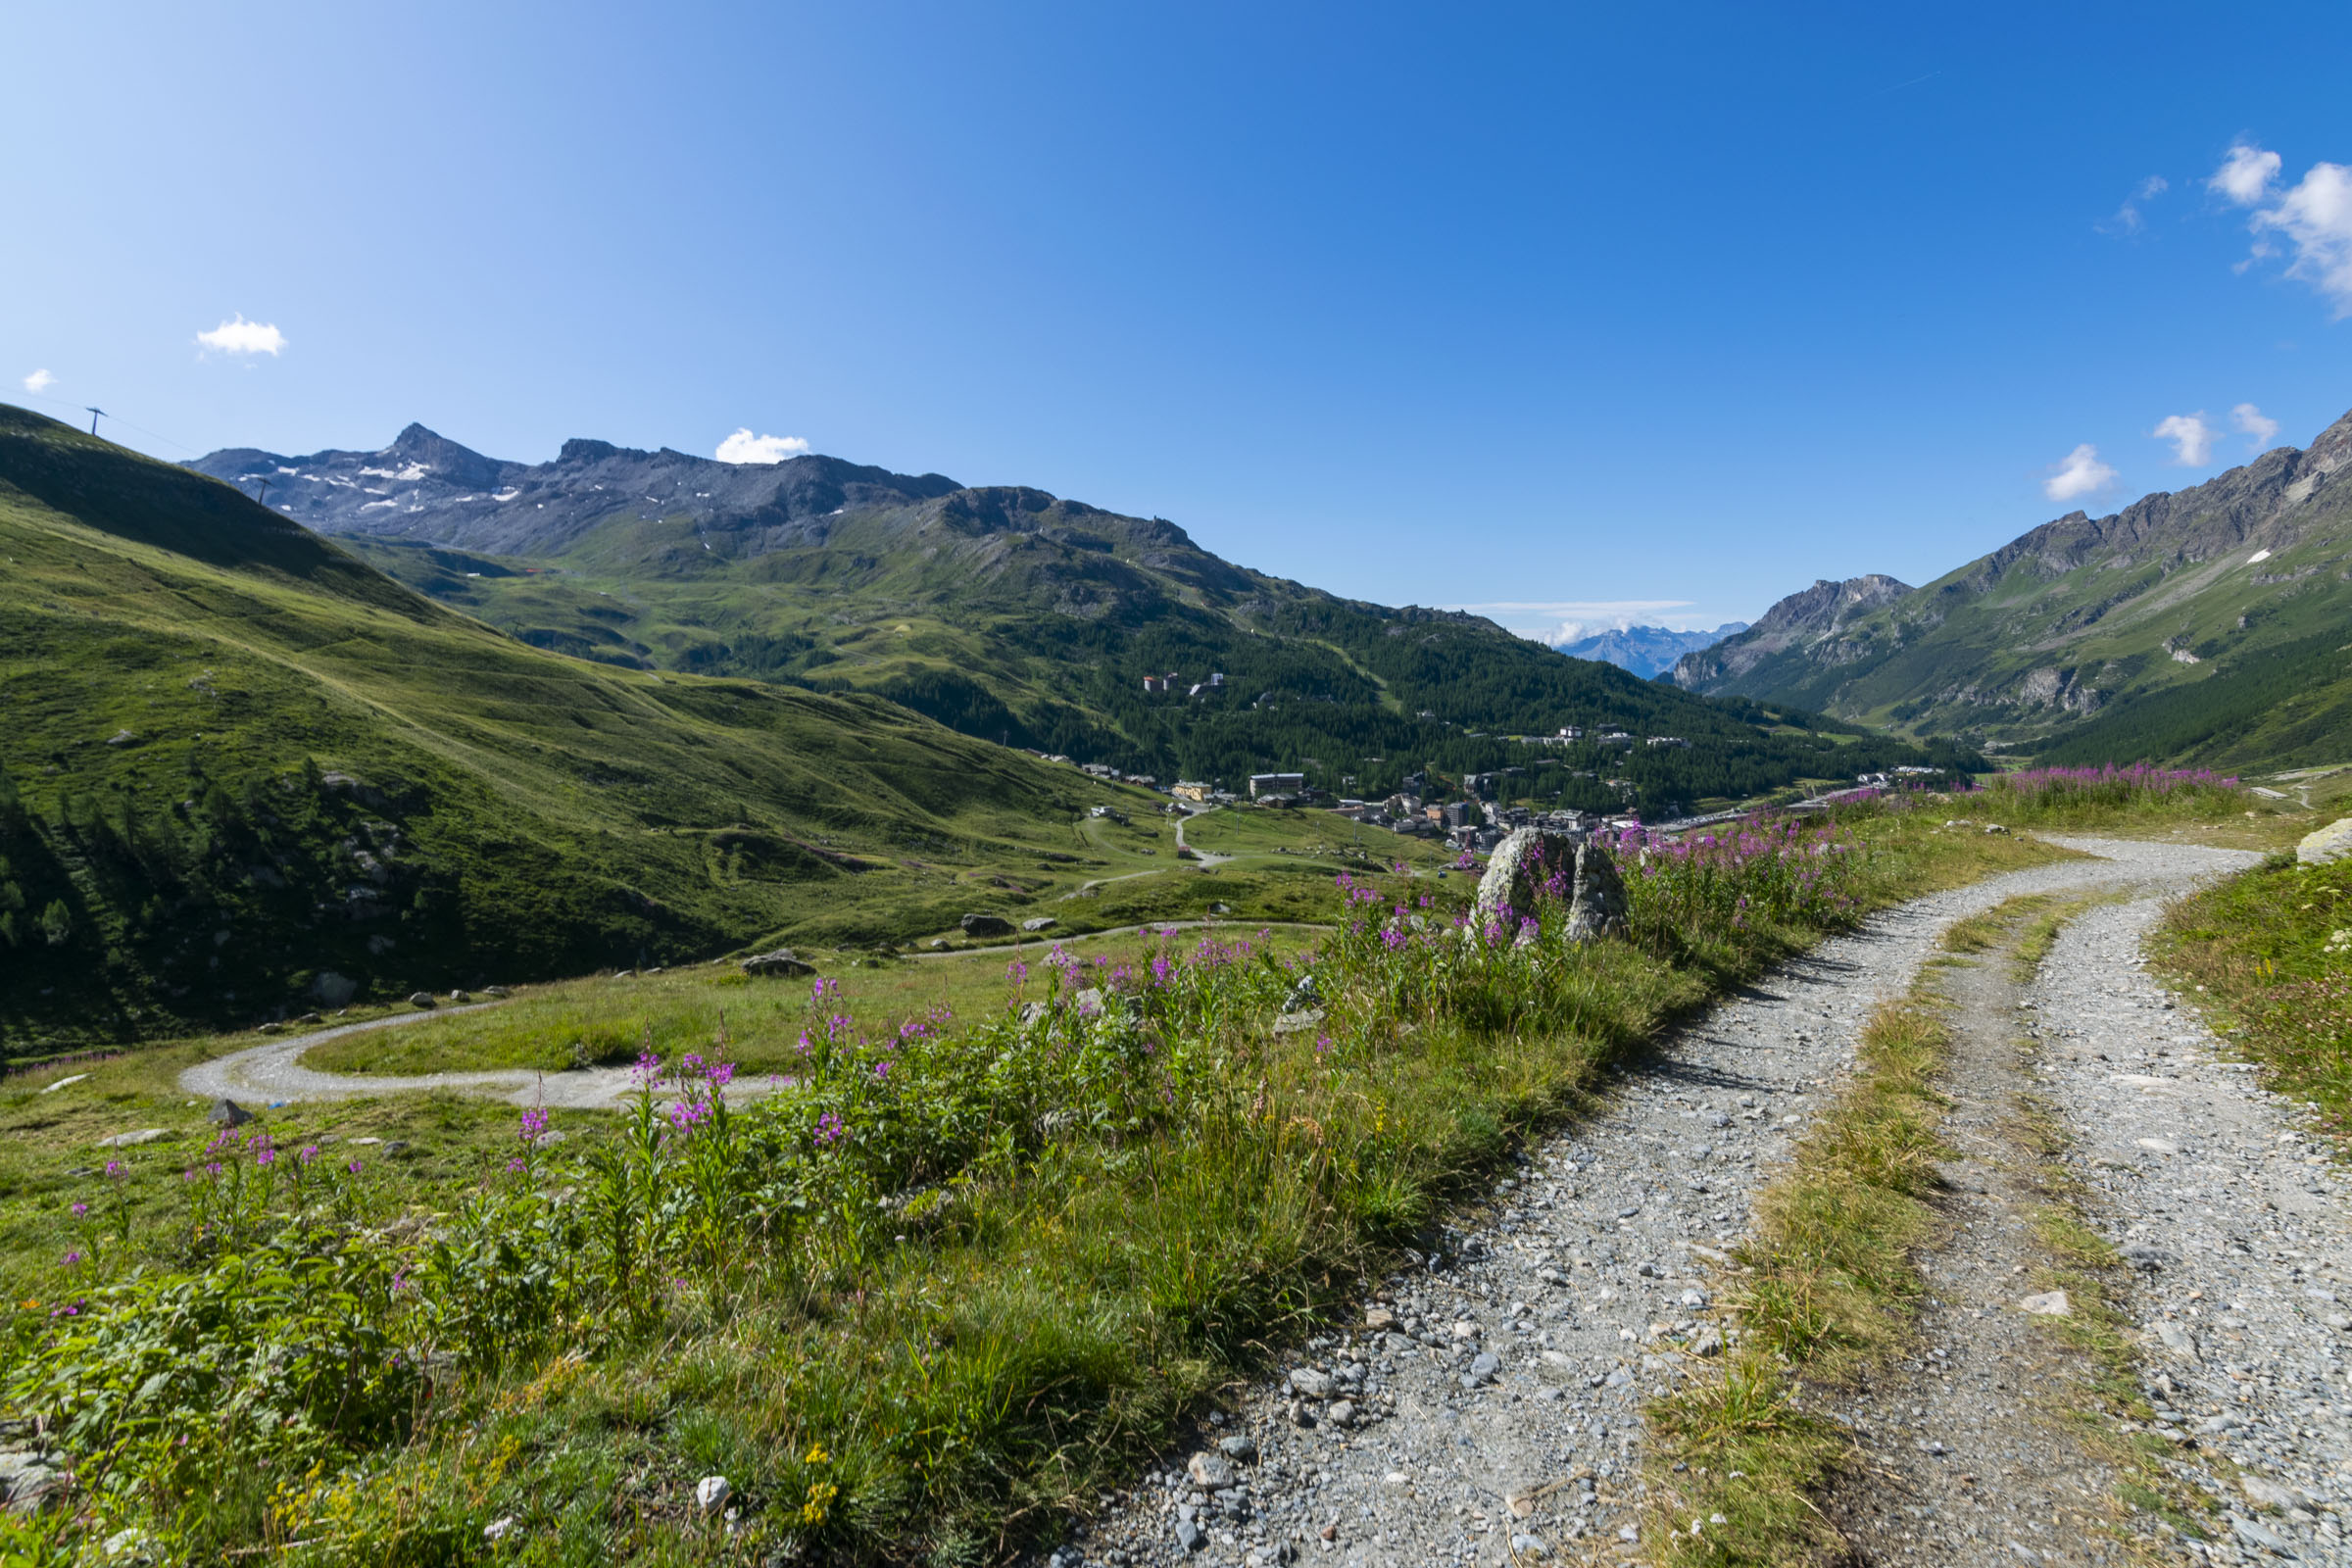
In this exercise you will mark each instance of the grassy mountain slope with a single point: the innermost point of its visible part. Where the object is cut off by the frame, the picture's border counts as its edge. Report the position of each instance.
(238, 759)
(1012, 615)
(2207, 626)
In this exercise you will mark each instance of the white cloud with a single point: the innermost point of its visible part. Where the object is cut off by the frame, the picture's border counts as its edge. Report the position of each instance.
(2191, 438)
(2079, 475)
(2245, 175)
(2313, 217)
(39, 381)
(745, 447)
(2254, 422)
(2127, 219)
(240, 336)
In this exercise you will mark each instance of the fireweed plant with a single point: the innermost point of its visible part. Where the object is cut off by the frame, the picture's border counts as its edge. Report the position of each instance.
(937, 1279)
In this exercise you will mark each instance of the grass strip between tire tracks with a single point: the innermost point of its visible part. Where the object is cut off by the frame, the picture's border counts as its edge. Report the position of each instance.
(1825, 1290)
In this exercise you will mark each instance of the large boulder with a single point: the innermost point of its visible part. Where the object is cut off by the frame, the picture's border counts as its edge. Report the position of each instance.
(986, 925)
(781, 965)
(333, 989)
(1529, 862)
(1599, 908)
(2328, 844)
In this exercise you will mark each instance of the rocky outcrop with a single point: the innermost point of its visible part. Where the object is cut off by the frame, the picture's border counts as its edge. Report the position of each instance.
(1534, 864)
(2057, 688)
(781, 965)
(1804, 617)
(2328, 844)
(1599, 908)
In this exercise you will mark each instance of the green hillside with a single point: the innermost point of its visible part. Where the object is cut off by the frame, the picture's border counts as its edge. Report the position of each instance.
(1017, 616)
(239, 761)
(2212, 625)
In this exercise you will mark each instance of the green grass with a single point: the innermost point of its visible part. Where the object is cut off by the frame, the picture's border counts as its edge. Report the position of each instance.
(2259, 954)
(1032, 1254)
(184, 673)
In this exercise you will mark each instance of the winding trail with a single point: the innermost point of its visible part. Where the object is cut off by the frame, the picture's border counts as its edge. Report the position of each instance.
(1493, 1396)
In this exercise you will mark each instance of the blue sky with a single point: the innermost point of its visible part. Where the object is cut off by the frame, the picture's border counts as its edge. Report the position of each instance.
(1551, 307)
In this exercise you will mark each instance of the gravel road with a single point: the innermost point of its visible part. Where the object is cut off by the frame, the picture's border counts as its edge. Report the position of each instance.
(1486, 1405)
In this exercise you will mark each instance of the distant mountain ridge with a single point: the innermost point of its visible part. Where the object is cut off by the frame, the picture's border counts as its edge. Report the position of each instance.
(2205, 624)
(1005, 612)
(1646, 651)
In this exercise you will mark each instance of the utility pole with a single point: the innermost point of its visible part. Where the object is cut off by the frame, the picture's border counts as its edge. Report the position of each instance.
(263, 499)
(94, 414)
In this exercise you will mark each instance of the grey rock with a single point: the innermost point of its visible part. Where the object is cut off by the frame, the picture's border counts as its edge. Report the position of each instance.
(1517, 874)
(145, 1135)
(28, 1478)
(332, 990)
(710, 1494)
(1041, 922)
(1599, 908)
(2327, 846)
(1297, 1023)
(2049, 1303)
(1530, 1546)
(1212, 1472)
(1304, 996)
(986, 925)
(1342, 1413)
(1485, 1365)
(421, 998)
(496, 993)
(1239, 1447)
(2260, 1536)
(782, 964)
(1311, 1384)
(2263, 1492)
(2175, 1338)
(229, 1113)
(1190, 1536)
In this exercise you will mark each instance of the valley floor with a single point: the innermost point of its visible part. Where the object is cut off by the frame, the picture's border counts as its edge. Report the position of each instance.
(1489, 1406)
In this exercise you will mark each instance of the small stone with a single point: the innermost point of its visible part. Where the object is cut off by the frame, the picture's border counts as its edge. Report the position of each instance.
(458, 996)
(229, 1113)
(1709, 1342)
(2175, 1338)
(1211, 1471)
(1296, 1412)
(1530, 1546)
(2159, 1145)
(1041, 922)
(1310, 1383)
(1190, 1536)
(421, 998)
(710, 1494)
(2148, 1259)
(1342, 1413)
(145, 1135)
(1483, 1366)
(1375, 1317)
(1329, 1533)
(2263, 1492)
(1239, 1448)
(2261, 1535)
(2049, 1303)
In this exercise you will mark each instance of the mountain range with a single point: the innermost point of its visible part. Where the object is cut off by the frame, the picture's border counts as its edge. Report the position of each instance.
(1645, 651)
(2205, 625)
(1008, 614)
